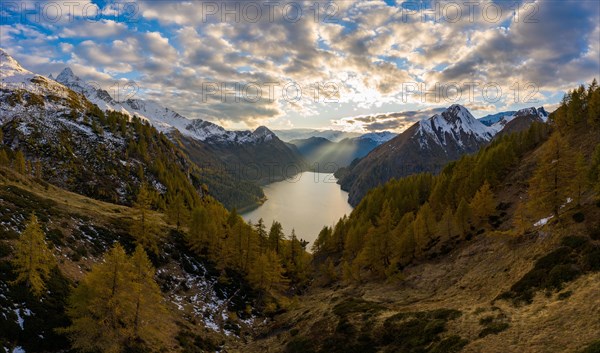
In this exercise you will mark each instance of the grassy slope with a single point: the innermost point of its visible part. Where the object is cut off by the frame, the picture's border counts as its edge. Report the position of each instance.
(80, 229)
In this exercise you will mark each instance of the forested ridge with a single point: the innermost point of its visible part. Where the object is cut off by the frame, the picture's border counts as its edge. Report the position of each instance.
(425, 215)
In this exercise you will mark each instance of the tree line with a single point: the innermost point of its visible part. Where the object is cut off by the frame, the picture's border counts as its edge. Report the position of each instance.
(423, 214)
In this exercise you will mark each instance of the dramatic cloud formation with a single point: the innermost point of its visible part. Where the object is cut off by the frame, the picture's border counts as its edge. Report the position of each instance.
(314, 64)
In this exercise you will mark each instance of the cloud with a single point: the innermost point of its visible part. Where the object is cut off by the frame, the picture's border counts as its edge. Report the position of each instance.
(397, 121)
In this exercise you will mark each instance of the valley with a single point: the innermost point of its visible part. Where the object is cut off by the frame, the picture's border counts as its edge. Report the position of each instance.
(336, 177)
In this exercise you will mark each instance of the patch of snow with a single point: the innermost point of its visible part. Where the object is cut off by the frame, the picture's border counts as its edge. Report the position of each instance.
(543, 221)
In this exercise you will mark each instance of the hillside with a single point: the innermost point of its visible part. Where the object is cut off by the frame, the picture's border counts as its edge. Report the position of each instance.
(482, 258)
(251, 158)
(427, 146)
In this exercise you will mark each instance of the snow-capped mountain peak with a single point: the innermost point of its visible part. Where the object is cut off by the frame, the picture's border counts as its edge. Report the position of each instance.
(455, 123)
(67, 75)
(7, 63)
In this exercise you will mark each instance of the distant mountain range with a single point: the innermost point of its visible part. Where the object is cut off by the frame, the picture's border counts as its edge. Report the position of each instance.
(429, 145)
(327, 156)
(302, 134)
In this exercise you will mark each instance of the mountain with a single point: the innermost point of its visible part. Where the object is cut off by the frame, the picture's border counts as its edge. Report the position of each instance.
(520, 121)
(250, 157)
(68, 141)
(328, 156)
(492, 119)
(424, 147)
(302, 134)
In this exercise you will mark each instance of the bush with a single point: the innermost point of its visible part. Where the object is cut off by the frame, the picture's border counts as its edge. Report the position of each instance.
(592, 348)
(493, 328)
(561, 274)
(574, 241)
(578, 217)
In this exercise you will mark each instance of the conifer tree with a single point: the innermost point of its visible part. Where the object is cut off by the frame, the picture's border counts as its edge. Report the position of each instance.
(424, 226)
(483, 204)
(150, 315)
(19, 163)
(407, 244)
(144, 228)
(594, 171)
(579, 182)
(261, 231)
(446, 226)
(276, 236)
(549, 186)
(4, 161)
(462, 217)
(380, 247)
(594, 104)
(33, 260)
(521, 219)
(117, 306)
(101, 306)
(266, 271)
(177, 212)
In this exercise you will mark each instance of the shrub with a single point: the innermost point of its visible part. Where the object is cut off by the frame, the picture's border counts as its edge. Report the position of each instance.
(578, 217)
(493, 328)
(561, 274)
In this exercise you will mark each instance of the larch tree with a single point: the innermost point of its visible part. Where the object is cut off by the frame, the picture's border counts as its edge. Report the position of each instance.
(276, 236)
(150, 323)
(483, 205)
(33, 260)
(177, 212)
(117, 306)
(580, 181)
(424, 226)
(549, 185)
(101, 307)
(261, 231)
(144, 228)
(4, 161)
(380, 246)
(462, 217)
(19, 163)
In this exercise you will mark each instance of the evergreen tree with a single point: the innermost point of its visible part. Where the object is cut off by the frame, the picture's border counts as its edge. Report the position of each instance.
(483, 205)
(33, 260)
(144, 228)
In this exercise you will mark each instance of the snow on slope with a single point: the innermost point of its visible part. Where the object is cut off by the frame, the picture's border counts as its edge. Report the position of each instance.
(162, 118)
(378, 137)
(456, 123)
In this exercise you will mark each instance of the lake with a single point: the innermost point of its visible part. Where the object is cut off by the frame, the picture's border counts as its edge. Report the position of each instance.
(305, 203)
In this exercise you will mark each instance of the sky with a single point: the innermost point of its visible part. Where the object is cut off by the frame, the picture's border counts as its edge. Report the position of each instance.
(367, 65)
